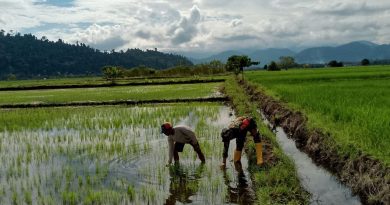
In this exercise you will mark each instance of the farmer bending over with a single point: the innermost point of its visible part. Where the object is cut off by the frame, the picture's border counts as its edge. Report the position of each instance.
(178, 136)
(238, 130)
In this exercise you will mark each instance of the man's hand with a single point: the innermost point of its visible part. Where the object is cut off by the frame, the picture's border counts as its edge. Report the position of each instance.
(169, 163)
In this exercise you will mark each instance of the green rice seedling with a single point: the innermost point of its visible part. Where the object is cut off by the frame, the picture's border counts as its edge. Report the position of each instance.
(131, 192)
(27, 197)
(69, 198)
(15, 198)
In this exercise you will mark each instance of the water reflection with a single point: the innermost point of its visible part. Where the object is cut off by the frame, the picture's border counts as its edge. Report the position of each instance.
(322, 185)
(183, 183)
(239, 192)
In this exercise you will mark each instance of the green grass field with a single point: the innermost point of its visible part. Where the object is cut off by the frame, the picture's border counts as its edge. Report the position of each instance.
(353, 104)
(110, 93)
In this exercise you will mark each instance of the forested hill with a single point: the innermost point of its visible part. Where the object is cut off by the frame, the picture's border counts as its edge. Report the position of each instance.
(27, 56)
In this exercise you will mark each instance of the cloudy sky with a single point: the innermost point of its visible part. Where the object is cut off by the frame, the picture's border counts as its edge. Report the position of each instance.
(200, 25)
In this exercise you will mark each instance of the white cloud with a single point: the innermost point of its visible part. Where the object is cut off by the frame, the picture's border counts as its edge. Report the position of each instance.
(187, 28)
(201, 24)
(235, 22)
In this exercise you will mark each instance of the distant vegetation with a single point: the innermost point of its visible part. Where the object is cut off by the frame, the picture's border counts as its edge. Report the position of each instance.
(115, 72)
(272, 66)
(334, 63)
(365, 62)
(237, 63)
(26, 56)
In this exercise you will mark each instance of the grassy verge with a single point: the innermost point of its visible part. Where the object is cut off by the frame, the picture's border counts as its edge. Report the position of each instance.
(110, 93)
(350, 103)
(276, 183)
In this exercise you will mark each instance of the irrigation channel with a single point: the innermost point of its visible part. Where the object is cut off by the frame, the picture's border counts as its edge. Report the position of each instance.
(116, 155)
(322, 185)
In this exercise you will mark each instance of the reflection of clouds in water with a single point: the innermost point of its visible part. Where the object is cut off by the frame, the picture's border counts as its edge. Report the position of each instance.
(311, 176)
(226, 116)
(191, 120)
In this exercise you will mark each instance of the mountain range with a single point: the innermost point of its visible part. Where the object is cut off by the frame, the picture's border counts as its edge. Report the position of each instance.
(350, 52)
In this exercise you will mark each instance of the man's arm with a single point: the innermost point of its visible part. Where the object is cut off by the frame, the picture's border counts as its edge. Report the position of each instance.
(170, 149)
(225, 149)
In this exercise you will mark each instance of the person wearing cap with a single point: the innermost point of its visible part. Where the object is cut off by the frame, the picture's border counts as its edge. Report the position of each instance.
(238, 130)
(178, 136)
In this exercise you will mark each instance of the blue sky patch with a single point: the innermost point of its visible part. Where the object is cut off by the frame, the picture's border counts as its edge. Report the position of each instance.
(59, 3)
(49, 26)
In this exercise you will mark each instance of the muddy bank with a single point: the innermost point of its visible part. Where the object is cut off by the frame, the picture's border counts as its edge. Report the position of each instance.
(114, 102)
(365, 175)
(41, 87)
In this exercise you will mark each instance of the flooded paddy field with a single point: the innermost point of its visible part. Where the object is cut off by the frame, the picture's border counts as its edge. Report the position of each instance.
(151, 92)
(115, 155)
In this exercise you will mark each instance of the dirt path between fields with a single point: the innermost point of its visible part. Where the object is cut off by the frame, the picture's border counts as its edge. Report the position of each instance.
(366, 176)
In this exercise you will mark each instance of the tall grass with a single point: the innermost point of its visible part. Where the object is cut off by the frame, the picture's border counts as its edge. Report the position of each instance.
(350, 103)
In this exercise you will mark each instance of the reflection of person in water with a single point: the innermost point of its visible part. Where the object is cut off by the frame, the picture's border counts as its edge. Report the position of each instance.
(241, 192)
(184, 183)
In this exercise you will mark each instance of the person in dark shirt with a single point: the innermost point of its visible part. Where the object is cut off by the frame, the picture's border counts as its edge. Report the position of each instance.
(238, 130)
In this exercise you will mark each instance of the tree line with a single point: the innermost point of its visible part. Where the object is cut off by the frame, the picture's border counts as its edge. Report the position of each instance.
(26, 56)
(112, 73)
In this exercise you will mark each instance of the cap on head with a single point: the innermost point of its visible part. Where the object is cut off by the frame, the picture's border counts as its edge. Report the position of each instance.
(166, 126)
(245, 123)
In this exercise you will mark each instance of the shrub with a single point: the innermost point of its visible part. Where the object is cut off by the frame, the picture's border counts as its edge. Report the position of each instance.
(273, 66)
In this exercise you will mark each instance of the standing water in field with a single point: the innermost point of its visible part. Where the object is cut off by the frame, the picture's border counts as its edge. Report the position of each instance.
(116, 155)
(322, 185)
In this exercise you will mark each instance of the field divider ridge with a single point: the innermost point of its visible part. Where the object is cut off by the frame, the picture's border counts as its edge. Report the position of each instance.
(114, 102)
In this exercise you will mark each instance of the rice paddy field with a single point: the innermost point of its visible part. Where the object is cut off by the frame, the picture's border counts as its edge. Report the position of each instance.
(352, 104)
(117, 155)
(114, 155)
(181, 91)
(95, 81)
